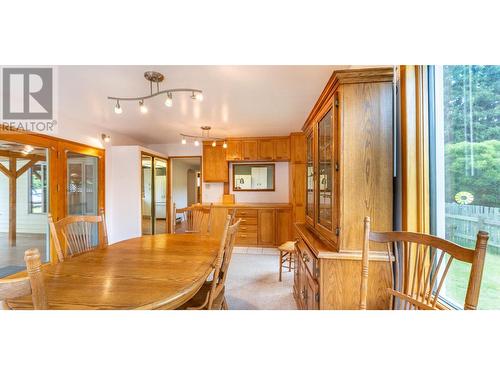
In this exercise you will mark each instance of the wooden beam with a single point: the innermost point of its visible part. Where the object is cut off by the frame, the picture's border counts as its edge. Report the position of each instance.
(4, 170)
(25, 167)
(12, 201)
(20, 155)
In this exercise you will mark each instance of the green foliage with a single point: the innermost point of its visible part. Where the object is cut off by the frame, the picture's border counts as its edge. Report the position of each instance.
(471, 103)
(484, 183)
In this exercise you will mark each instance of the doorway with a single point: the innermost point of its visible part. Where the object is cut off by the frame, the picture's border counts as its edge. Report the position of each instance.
(186, 186)
(154, 194)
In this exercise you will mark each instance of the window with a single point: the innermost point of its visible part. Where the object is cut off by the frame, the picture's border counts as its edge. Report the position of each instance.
(251, 177)
(465, 170)
(37, 191)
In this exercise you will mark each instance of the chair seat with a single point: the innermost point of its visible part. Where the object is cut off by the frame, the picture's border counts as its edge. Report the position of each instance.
(201, 296)
(287, 246)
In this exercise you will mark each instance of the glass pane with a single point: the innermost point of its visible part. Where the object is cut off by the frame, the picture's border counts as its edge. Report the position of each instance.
(147, 194)
(253, 177)
(467, 141)
(82, 184)
(310, 178)
(325, 152)
(160, 196)
(23, 204)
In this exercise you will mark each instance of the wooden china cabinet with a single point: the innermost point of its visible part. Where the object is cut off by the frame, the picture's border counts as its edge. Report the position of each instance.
(349, 175)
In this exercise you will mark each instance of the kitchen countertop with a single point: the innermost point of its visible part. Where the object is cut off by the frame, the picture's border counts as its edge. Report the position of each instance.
(250, 205)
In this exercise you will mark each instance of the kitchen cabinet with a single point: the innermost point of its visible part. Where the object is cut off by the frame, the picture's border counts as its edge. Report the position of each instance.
(249, 149)
(234, 150)
(281, 149)
(215, 166)
(266, 149)
(267, 227)
(283, 225)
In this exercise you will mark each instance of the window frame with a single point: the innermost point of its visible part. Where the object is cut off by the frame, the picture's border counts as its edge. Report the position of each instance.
(45, 206)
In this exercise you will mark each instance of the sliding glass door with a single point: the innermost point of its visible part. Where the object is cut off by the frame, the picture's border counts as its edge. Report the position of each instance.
(24, 203)
(154, 194)
(465, 165)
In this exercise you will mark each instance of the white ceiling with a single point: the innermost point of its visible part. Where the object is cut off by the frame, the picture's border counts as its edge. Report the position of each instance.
(238, 100)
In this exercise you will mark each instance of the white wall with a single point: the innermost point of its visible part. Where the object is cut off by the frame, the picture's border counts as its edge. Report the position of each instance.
(179, 182)
(123, 191)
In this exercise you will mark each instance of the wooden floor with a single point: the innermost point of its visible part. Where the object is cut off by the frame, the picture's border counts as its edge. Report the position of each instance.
(12, 258)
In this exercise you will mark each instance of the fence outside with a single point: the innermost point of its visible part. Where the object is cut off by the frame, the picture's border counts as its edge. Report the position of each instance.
(464, 221)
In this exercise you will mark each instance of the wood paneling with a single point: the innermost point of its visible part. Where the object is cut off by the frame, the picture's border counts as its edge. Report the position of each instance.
(215, 167)
(281, 148)
(266, 149)
(250, 149)
(234, 150)
(297, 148)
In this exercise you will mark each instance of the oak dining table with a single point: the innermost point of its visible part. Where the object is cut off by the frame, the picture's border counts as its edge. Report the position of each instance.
(160, 271)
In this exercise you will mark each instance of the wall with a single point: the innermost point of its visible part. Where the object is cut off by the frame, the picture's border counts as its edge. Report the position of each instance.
(123, 191)
(179, 182)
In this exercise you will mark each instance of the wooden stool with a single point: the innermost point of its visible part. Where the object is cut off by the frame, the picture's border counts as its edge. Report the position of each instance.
(286, 256)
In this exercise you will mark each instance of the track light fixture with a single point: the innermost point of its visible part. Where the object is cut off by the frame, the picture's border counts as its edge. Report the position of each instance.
(118, 109)
(155, 78)
(205, 136)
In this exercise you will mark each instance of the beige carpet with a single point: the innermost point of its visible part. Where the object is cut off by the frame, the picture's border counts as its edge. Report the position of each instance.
(252, 284)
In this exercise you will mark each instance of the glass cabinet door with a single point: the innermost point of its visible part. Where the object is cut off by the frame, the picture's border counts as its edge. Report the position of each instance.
(310, 178)
(325, 174)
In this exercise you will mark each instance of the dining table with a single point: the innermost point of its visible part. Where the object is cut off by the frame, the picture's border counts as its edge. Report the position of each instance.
(161, 271)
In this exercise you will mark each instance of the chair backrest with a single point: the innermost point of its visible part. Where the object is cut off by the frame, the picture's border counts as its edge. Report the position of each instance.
(223, 259)
(74, 234)
(32, 284)
(197, 218)
(419, 265)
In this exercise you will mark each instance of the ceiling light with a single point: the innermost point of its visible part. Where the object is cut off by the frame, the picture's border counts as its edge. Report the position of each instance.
(169, 102)
(144, 109)
(214, 144)
(183, 141)
(106, 138)
(224, 145)
(118, 109)
(27, 149)
(196, 143)
(154, 79)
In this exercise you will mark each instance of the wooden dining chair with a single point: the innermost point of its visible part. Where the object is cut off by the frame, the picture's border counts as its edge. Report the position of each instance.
(211, 295)
(419, 264)
(22, 286)
(197, 218)
(73, 235)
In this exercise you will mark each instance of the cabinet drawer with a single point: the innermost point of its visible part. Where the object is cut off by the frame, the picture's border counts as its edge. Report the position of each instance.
(247, 229)
(244, 212)
(248, 220)
(310, 261)
(246, 238)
